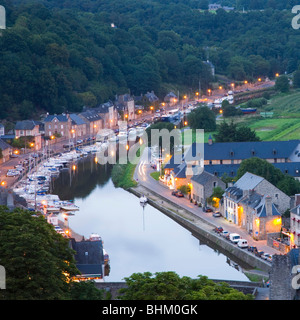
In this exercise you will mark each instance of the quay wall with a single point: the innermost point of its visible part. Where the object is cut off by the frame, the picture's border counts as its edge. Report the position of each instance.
(241, 254)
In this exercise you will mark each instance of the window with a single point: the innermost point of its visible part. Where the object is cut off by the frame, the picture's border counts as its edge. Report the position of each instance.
(61, 126)
(276, 195)
(49, 126)
(215, 184)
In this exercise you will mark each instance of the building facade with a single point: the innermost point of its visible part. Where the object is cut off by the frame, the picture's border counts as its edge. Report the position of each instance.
(256, 205)
(58, 124)
(202, 186)
(29, 128)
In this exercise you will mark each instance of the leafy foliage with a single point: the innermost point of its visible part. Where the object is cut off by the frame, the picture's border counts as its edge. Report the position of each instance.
(60, 55)
(232, 133)
(37, 260)
(263, 168)
(202, 118)
(169, 286)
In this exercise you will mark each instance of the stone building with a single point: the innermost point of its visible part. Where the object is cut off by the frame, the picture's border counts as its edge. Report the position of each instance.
(295, 223)
(256, 205)
(29, 128)
(203, 186)
(58, 124)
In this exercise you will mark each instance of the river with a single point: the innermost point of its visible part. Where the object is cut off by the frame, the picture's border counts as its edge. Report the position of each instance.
(136, 241)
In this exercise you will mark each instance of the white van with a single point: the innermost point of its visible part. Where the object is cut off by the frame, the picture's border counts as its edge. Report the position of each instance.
(234, 237)
(242, 243)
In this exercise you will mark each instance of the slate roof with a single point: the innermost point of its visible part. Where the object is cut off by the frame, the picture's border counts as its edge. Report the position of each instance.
(296, 210)
(76, 119)
(204, 178)
(4, 145)
(291, 168)
(90, 115)
(104, 108)
(246, 150)
(248, 181)
(59, 117)
(25, 125)
(89, 256)
(258, 202)
(179, 171)
(234, 193)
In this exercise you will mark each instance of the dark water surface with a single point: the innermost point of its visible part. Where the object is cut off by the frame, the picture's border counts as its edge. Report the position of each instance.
(135, 241)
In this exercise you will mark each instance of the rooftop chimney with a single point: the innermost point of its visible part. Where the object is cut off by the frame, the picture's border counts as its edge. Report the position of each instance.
(268, 205)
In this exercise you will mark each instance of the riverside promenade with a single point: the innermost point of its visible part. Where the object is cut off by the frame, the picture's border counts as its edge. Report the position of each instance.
(200, 223)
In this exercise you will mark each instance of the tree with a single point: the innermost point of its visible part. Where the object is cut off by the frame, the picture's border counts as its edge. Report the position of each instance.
(169, 286)
(38, 261)
(296, 79)
(282, 84)
(232, 133)
(263, 168)
(202, 118)
(85, 291)
(203, 4)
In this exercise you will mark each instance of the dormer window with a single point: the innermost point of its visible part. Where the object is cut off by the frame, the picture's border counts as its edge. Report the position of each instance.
(274, 151)
(231, 153)
(252, 152)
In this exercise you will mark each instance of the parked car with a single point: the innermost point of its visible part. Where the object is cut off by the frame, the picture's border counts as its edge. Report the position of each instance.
(242, 243)
(177, 193)
(218, 229)
(234, 237)
(259, 253)
(217, 214)
(207, 209)
(252, 249)
(267, 256)
(225, 234)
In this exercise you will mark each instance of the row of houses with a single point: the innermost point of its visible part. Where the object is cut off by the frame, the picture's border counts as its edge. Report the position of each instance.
(252, 202)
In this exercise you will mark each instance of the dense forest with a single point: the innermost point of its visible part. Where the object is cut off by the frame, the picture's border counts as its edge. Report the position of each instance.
(60, 55)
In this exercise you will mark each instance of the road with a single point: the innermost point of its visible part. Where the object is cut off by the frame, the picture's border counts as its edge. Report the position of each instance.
(142, 176)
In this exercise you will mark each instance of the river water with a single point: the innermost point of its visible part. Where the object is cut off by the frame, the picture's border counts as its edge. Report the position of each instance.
(136, 241)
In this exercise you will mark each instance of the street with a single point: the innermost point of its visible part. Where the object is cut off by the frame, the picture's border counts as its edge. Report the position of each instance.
(142, 175)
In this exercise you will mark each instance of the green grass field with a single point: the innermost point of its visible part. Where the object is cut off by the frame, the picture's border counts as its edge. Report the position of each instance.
(285, 124)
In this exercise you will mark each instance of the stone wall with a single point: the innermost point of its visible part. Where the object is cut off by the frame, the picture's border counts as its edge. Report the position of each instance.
(280, 278)
(282, 200)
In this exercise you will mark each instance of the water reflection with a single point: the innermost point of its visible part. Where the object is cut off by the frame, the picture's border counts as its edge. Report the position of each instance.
(135, 242)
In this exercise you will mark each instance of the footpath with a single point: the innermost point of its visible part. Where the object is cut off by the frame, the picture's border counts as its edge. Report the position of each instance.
(201, 224)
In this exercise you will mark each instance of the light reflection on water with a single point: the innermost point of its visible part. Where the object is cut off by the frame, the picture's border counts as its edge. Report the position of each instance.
(138, 242)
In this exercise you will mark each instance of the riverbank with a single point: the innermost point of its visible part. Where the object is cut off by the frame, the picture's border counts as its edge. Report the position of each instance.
(200, 228)
(122, 175)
